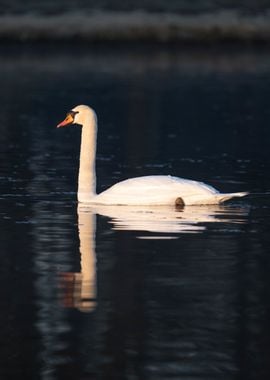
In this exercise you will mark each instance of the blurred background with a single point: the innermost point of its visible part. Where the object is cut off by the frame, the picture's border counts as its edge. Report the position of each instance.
(149, 20)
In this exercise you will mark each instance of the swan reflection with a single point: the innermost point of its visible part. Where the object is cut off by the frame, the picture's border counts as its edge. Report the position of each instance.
(167, 219)
(79, 289)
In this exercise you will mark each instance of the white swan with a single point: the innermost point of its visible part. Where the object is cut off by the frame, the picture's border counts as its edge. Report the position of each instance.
(149, 190)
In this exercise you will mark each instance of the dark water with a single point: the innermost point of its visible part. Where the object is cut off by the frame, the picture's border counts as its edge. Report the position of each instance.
(134, 294)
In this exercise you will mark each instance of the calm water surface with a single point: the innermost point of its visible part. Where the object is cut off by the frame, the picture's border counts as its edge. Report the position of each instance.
(131, 293)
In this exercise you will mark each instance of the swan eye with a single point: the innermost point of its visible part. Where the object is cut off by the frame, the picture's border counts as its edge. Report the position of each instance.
(72, 114)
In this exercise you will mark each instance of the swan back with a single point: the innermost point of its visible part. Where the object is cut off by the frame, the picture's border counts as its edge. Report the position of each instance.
(155, 190)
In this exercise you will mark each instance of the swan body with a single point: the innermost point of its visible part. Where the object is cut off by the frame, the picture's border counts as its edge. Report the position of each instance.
(148, 190)
(161, 190)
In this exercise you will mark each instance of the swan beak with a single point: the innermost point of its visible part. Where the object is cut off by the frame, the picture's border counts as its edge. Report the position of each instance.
(68, 120)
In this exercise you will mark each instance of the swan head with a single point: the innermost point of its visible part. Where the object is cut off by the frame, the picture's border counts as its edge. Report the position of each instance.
(79, 115)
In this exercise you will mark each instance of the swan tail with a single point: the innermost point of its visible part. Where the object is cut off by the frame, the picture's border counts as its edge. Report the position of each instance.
(213, 199)
(220, 198)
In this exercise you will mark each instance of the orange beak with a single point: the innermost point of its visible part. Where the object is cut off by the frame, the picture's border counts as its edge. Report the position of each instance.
(68, 120)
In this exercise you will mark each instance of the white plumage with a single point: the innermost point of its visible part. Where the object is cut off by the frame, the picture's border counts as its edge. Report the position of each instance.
(148, 190)
(161, 190)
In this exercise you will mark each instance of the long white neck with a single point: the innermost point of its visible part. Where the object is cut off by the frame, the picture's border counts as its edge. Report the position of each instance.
(87, 171)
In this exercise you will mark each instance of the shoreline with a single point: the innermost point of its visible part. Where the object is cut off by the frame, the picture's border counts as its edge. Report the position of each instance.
(108, 26)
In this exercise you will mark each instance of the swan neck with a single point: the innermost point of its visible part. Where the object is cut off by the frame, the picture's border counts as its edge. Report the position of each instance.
(87, 171)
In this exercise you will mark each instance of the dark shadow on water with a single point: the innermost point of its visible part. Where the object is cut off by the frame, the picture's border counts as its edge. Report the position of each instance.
(129, 293)
(192, 301)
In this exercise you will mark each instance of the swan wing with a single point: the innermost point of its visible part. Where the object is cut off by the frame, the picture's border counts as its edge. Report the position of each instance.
(157, 190)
